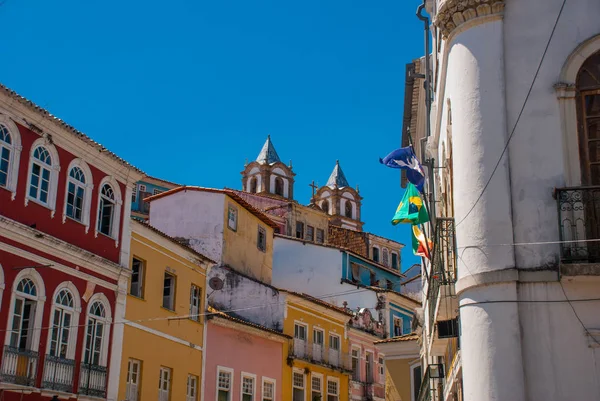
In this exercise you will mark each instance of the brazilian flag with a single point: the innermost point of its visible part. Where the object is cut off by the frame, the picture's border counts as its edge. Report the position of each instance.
(411, 209)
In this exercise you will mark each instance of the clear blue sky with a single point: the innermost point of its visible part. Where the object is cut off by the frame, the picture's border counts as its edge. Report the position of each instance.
(188, 90)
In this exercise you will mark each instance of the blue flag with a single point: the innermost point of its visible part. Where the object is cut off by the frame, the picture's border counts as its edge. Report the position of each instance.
(406, 159)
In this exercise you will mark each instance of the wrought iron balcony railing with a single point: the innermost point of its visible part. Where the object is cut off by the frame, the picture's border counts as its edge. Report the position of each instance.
(58, 373)
(19, 366)
(320, 355)
(579, 223)
(92, 380)
(443, 263)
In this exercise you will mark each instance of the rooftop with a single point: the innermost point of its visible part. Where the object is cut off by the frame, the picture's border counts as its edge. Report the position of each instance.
(406, 337)
(337, 177)
(268, 154)
(213, 312)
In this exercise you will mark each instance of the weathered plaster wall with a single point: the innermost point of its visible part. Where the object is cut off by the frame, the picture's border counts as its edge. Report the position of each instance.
(399, 373)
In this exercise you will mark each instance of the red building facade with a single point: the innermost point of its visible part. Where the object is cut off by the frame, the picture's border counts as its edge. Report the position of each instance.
(64, 252)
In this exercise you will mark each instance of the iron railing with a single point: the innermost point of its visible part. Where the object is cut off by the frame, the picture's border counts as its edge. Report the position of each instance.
(443, 263)
(579, 223)
(92, 380)
(19, 366)
(320, 355)
(58, 373)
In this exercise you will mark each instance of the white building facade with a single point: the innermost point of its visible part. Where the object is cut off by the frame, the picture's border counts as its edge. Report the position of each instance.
(516, 180)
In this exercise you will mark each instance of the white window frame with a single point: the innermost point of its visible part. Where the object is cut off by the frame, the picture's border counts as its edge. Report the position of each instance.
(370, 366)
(304, 383)
(378, 253)
(358, 350)
(142, 187)
(231, 382)
(106, 330)
(15, 155)
(337, 383)
(157, 191)
(173, 291)
(54, 169)
(40, 299)
(319, 376)
(116, 218)
(306, 339)
(412, 378)
(272, 381)
(246, 375)
(261, 247)
(232, 211)
(161, 392)
(141, 277)
(195, 380)
(381, 370)
(75, 312)
(195, 309)
(401, 319)
(88, 188)
(2, 284)
(314, 343)
(132, 387)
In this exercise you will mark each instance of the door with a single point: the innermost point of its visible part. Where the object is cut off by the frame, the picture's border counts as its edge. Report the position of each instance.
(300, 340)
(317, 345)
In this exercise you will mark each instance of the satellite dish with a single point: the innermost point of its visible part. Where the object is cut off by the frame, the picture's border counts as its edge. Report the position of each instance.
(215, 283)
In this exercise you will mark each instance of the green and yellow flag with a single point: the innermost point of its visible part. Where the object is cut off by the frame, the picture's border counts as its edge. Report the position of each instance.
(411, 209)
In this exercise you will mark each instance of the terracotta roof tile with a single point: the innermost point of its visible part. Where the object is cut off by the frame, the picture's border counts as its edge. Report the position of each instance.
(213, 312)
(319, 302)
(406, 337)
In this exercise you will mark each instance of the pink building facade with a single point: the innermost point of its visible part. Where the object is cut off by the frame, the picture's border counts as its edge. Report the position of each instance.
(243, 361)
(368, 377)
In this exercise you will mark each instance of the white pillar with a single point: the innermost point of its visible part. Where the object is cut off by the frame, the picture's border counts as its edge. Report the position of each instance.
(116, 350)
(490, 334)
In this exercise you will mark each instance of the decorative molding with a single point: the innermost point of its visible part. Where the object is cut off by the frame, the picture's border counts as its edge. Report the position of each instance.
(565, 90)
(162, 335)
(454, 13)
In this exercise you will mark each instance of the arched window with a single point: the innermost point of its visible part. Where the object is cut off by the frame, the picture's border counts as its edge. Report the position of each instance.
(10, 154)
(588, 93)
(106, 210)
(75, 194)
(325, 206)
(386, 259)
(62, 320)
(375, 254)
(96, 335)
(6, 151)
(348, 209)
(39, 180)
(279, 186)
(253, 184)
(23, 317)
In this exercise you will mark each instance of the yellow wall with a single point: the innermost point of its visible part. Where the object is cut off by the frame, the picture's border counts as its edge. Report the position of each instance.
(309, 217)
(168, 344)
(308, 313)
(240, 249)
(399, 371)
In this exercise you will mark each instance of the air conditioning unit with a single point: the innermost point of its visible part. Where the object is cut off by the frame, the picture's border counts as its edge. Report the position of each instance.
(448, 328)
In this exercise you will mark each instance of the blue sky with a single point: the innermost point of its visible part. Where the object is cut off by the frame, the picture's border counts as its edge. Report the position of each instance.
(188, 90)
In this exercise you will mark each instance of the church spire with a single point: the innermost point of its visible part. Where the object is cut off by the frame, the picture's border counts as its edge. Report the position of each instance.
(337, 177)
(268, 154)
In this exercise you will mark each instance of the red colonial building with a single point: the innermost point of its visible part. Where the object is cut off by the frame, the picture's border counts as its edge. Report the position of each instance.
(64, 253)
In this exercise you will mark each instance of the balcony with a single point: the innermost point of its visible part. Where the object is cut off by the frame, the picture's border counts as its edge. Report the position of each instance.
(579, 224)
(433, 374)
(316, 354)
(19, 366)
(58, 374)
(92, 380)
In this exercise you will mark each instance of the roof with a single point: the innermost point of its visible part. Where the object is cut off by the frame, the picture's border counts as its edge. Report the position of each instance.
(170, 183)
(268, 154)
(232, 194)
(318, 302)
(168, 237)
(337, 177)
(213, 312)
(61, 124)
(406, 337)
(379, 289)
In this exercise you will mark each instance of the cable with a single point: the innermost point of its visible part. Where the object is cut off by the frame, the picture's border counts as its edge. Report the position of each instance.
(575, 313)
(519, 116)
(529, 243)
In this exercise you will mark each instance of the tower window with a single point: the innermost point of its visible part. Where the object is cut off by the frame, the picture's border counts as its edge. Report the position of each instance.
(279, 186)
(348, 209)
(252, 185)
(394, 260)
(325, 206)
(299, 230)
(375, 254)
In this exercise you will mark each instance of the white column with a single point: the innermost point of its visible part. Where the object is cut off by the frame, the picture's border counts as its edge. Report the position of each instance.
(490, 334)
(116, 351)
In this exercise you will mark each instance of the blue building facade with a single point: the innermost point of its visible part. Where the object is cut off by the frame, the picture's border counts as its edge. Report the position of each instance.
(143, 189)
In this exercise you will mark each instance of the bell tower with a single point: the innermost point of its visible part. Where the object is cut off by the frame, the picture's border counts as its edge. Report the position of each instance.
(340, 201)
(268, 175)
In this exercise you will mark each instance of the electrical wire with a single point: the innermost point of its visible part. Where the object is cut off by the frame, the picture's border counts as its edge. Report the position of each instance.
(519, 116)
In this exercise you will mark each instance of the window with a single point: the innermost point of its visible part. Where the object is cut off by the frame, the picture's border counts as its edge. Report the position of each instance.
(247, 388)
(355, 364)
(23, 319)
(375, 254)
(253, 185)
(195, 297)
(389, 285)
(169, 292)
(279, 186)
(318, 339)
(142, 188)
(325, 206)
(320, 235)
(299, 229)
(224, 385)
(96, 331)
(192, 388)
(398, 323)
(386, 259)
(138, 268)
(300, 337)
(157, 191)
(106, 210)
(134, 195)
(416, 380)
(75, 194)
(310, 233)
(10, 149)
(316, 388)
(164, 384)
(394, 260)
(300, 332)
(268, 392)
(5, 151)
(134, 370)
(588, 90)
(348, 209)
(262, 239)
(381, 370)
(62, 319)
(298, 386)
(334, 342)
(334, 350)
(373, 278)
(369, 367)
(39, 185)
(332, 390)
(232, 217)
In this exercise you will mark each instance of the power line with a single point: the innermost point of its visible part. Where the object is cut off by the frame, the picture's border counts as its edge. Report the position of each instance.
(519, 116)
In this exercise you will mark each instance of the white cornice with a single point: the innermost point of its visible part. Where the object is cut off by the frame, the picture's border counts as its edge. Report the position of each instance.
(224, 322)
(161, 334)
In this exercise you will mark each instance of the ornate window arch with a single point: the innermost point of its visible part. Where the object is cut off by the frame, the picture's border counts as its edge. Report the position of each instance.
(10, 154)
(42, 178)
(97, 326)
(279, 186)
(325, 205)
(109, 208)
(64, 321)
(78, 193)
(252, 185)
(348, 212)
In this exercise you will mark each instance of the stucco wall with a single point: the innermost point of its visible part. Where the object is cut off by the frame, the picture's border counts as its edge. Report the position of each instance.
(399, 372)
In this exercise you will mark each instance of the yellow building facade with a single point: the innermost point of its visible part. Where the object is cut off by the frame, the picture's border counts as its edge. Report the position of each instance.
(318, 364)
(162, 355)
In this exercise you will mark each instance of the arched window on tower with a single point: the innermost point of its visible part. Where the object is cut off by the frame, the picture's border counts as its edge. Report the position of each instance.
(348, 209)
(279, 186)
(253, 183)
(325, 206)
(588, 90)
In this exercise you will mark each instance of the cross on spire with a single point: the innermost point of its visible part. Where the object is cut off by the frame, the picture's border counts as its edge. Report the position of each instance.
(314, 189)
